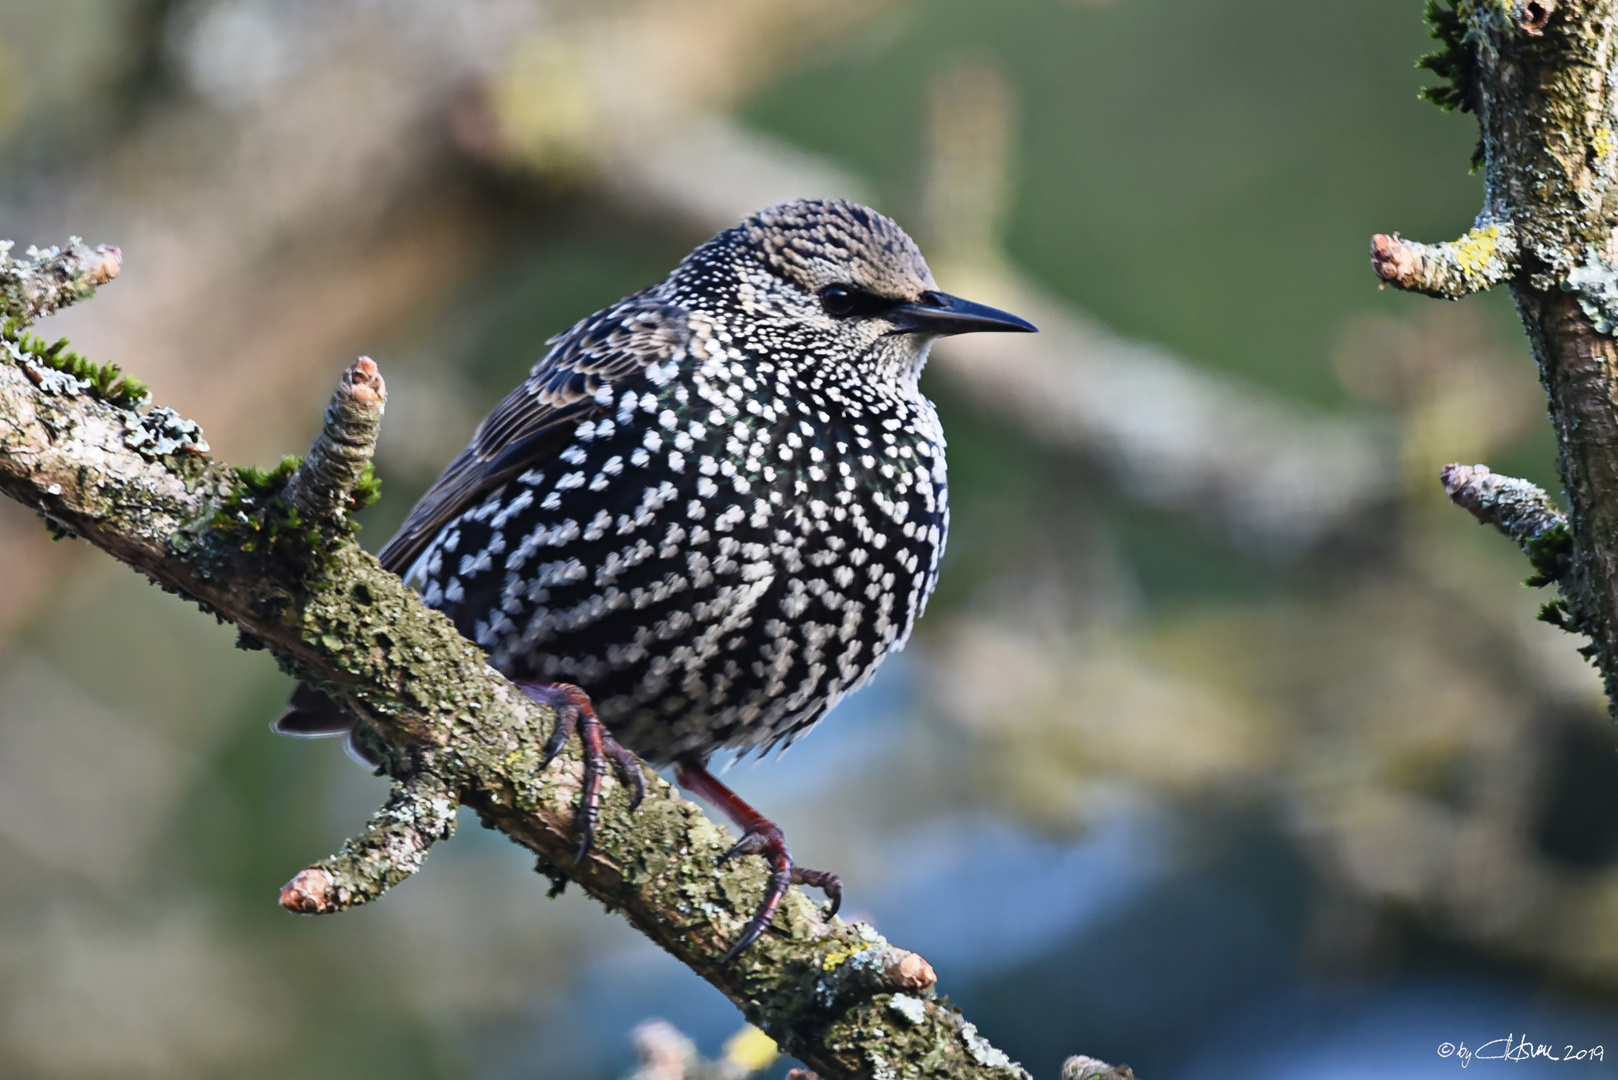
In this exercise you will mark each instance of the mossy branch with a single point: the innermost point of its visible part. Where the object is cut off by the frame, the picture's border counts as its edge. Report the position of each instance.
(1537, 74)
(265, 551)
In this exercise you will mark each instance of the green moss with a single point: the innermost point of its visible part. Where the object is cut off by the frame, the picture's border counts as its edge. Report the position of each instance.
(551, 872)
(367, 490)
(105, 381)
(1551, 552)
(255, 518)
(57, 530)
(259, 483)
(1455, 61)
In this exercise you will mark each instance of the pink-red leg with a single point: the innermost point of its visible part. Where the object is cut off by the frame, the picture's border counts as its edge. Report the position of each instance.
(760, 836)
(575, 713)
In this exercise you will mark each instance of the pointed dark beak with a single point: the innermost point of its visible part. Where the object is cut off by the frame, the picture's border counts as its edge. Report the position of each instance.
(940, 314)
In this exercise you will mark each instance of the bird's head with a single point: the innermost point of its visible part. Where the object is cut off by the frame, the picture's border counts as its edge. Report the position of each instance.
(844, 283)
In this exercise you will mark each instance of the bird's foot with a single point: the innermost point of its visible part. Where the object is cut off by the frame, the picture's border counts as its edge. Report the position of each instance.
(574, 713)
(764, 838)
(760, 836)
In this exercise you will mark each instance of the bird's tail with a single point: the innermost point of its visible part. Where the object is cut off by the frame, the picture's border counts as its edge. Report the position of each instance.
(312, 715)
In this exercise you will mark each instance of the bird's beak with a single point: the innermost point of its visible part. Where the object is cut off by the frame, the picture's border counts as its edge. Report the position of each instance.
(940, 314)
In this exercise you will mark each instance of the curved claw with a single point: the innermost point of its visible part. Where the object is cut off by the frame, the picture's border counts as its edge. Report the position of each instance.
(767, 841)
(567, 722)
(630, 774)
(574, 713)
(760, 836)
(826, 882)
(780, 882)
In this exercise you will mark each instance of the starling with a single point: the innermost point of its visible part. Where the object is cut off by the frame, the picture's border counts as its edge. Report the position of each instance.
(709, 512)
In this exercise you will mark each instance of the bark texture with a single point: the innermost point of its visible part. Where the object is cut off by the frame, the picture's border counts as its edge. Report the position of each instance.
(273, 553)
(1542, 77)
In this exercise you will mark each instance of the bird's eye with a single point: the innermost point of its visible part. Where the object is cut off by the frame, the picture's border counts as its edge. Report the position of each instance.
(838, 300)
(841, 301)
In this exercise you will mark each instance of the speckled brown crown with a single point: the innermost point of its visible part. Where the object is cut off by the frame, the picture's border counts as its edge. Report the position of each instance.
(817, 242)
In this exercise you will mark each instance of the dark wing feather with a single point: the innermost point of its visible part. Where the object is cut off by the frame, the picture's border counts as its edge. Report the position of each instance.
(531, 426)
(536, 420)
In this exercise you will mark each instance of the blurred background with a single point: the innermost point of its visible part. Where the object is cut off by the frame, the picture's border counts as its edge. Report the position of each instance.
(1227, 747)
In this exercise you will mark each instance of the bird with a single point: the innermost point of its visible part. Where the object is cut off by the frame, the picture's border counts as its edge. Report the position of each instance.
(709, 512)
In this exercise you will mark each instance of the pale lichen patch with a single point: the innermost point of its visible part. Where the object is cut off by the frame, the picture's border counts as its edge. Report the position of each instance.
(1595, 281)
(982, 1052)
(912, 1009)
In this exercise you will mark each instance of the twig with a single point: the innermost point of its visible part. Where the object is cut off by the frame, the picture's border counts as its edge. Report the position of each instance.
(393, 846)
(45, 280)
(448, 727)
(323, 485)
(1079, 1067)
(1480, 260)
(1518, 508)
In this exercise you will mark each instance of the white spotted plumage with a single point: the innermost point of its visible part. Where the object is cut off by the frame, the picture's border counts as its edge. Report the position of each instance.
(778, 607)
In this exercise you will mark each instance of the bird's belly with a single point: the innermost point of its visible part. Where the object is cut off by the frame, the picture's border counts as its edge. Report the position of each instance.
(696, 618)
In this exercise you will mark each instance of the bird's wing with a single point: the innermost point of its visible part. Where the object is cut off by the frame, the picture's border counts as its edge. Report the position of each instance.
(536, 420)
(528, 428)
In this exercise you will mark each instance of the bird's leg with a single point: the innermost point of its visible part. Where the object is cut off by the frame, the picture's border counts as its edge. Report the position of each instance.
(760, 836)
(575, 713)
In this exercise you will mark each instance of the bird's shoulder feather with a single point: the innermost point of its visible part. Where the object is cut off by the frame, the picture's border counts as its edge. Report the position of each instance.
(538, 418)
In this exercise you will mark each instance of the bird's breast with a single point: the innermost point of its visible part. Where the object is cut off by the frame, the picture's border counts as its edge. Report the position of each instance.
(716, 557)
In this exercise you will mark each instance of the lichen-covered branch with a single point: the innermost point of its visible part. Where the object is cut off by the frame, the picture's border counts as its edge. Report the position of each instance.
(1528, 516)
(1480, 260)
(77, 445)
(1539, 74)
(45, 280)
(1079, 1067)
(419, 812)
(1520, 509)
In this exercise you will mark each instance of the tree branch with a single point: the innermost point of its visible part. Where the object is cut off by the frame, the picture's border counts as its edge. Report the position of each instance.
(272, 553)
(47, 280)
(340, 460)
(393, 846)
(1525, 514)
(1480, 260)
(1519, 509)
(1538, 74)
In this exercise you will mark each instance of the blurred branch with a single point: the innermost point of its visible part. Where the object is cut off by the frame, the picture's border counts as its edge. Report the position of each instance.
(44, 281)
(1536, 73)
(666, 1053)
(1079, 1067)
(1264, 470)
(446, 726)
